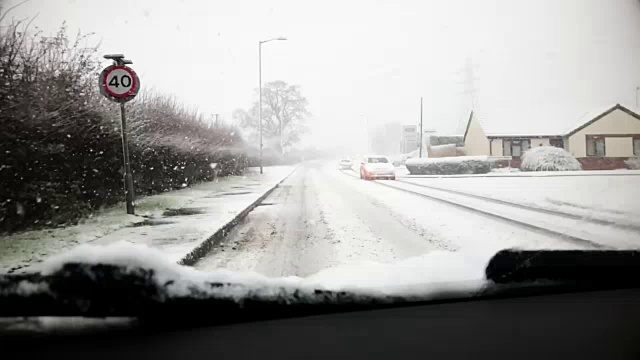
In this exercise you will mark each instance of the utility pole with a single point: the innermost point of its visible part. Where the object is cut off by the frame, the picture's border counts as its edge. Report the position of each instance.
(420, 126)
(260, 99)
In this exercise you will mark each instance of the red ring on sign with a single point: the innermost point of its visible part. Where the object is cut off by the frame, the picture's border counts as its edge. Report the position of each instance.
(134, 82)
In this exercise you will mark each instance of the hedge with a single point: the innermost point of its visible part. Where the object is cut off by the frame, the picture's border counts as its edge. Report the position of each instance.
(60, 140)
(449, 166)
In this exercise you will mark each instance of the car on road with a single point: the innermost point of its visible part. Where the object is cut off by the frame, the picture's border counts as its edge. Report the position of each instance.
(345, 164)
(377, 167)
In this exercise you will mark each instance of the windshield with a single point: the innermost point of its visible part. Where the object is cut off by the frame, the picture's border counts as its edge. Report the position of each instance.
(377, 160)
(235, 137)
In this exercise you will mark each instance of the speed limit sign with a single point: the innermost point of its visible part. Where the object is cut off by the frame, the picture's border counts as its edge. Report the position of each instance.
(119, 83)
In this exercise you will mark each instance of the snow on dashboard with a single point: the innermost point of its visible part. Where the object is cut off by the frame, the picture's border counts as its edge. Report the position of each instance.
(425, 276)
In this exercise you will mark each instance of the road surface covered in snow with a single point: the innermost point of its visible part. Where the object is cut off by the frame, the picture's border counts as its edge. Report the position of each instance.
(320, 218)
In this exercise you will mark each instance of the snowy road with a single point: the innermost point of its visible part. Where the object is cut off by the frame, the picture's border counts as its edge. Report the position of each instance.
(321, 217)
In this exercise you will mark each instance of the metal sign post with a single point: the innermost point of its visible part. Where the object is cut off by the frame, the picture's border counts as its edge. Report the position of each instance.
(120, 83)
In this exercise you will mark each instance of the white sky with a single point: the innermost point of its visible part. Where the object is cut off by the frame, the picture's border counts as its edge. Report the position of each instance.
(359, 61)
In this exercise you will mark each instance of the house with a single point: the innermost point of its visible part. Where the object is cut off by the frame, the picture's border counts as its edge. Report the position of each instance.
(600, 139)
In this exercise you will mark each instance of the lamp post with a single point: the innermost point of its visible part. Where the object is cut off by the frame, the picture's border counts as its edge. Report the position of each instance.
(260, 90)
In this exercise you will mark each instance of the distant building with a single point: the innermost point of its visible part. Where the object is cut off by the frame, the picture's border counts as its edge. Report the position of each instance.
(386, 138)
(410, 138)
(601, 139)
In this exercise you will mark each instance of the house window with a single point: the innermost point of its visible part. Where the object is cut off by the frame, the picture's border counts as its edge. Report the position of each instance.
(595, 146)
(556, 143)
(515, 147)
(636, 145)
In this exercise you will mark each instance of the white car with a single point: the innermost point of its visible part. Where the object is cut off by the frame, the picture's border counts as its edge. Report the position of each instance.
(377, 167)
(345, 164)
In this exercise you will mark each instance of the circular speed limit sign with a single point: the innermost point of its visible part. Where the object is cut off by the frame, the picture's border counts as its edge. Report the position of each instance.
(119, 83)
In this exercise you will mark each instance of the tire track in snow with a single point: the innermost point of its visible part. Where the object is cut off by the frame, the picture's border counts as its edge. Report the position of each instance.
(314, 222)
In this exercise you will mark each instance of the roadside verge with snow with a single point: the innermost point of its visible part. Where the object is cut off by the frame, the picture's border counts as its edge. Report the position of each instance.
(177, 223)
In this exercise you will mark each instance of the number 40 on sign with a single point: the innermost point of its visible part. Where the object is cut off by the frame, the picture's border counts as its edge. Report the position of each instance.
(119, 83)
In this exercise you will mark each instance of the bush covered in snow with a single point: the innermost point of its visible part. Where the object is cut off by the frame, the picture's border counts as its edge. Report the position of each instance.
(449, 165)
(633, 163)
(549, 158)
(60, 140)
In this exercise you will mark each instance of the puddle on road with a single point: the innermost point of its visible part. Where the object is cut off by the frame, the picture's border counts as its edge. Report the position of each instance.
(229, 193)
(151, 222)
(183, 212)
(266, 204)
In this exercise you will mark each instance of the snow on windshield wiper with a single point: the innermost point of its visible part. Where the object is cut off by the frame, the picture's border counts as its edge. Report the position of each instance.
(98, 290)
(102, 290)
(133, 280)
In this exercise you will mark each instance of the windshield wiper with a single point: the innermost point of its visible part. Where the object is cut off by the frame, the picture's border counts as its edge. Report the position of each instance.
(102, 290)
(527, 272)
(99, 290)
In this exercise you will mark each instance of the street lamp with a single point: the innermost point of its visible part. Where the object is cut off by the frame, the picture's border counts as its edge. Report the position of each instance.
(260, 90)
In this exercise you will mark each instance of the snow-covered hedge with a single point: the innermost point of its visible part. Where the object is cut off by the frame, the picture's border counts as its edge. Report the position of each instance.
(60, 140)
(449, 165)
(549, 158)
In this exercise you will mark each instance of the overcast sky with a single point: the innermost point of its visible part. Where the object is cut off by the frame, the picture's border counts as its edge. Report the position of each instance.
(366, 61)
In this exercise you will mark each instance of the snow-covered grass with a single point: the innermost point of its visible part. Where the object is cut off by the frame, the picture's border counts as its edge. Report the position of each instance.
(505, 170)
(549, 158)
(601, 194)
(514, 172)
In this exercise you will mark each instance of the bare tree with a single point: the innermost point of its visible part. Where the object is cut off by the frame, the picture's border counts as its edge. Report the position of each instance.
(284, 111)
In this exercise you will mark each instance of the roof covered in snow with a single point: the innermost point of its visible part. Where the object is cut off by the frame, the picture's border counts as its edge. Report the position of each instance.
(541, 122)
(591, 116)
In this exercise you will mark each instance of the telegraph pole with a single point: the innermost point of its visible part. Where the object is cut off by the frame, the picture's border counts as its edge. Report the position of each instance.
(421, 126)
